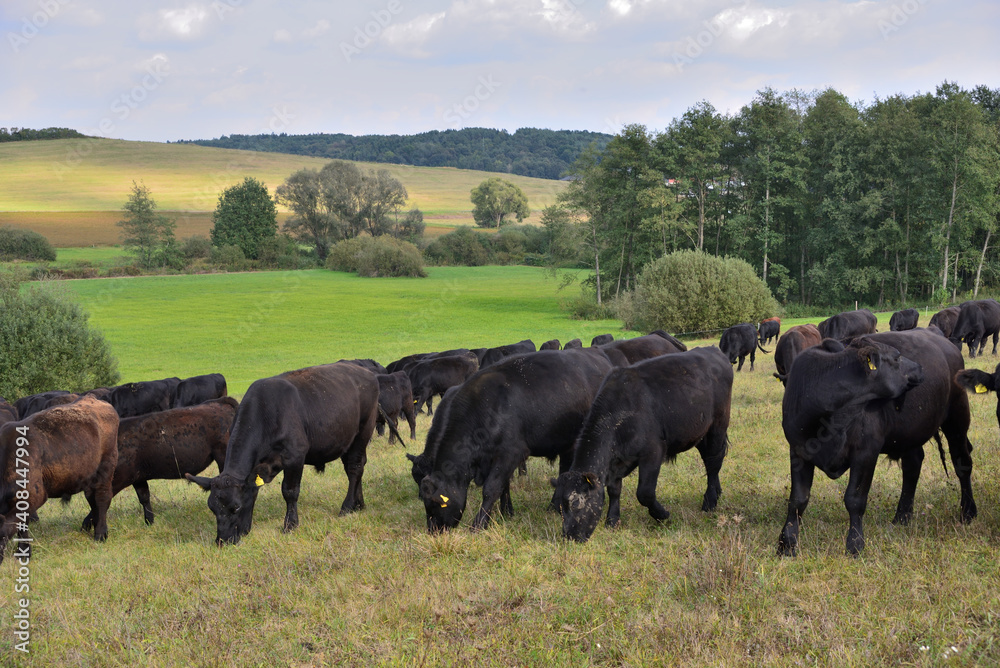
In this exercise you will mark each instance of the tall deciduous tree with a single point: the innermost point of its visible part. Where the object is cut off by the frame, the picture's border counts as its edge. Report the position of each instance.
(245, 216)
(496, 200)
(145, 233)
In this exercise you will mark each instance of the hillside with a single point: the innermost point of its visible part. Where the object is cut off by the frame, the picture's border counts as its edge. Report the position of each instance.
(72, 190)
(527, 152)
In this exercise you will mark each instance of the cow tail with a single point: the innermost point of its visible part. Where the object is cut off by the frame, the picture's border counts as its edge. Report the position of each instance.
(761, 348)
(392, 428)
(937, 437)
(66, 498)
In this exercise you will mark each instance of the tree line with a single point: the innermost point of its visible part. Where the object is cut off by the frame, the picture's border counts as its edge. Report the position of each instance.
(27, 134)
(534, 152)
(890, 202)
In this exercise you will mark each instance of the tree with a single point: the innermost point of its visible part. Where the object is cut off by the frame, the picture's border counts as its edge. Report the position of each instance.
(381, 194)
(495, 200)
(145, 233)
(245, 216)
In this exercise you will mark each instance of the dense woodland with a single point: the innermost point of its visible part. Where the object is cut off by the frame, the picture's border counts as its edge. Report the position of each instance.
(528, 152)
(890, 202)
(27, 134)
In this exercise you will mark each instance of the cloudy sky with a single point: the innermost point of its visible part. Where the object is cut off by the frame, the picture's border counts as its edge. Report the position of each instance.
(189, 69)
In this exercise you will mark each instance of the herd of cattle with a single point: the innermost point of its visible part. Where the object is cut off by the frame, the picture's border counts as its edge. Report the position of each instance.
(605, 410)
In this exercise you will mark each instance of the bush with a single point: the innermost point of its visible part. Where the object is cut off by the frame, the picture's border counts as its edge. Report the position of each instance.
(18, 244)
(280, 252)
(463, 247)
(195, 248)
(230, 258)
(48, 344)
(691, 291)
(379, 256)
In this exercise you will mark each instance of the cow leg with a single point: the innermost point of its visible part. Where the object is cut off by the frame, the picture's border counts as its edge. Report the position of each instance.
(856, 502)
(649, 471)
(102, 501)
(493, 488)
(961, 461)
(713, 451)
(565, 461)
(290, 485)
(614, 502)
(380, 427)
(506, 505)
(411, 420)
(798, 499)
(740, 367)
(910, 463)
(996, 335)
(753, 356)
(141, 488)
(354, 466)
(430, 401)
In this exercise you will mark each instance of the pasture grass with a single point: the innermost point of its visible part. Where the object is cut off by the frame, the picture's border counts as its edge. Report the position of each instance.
(72, 190)
(373, 588)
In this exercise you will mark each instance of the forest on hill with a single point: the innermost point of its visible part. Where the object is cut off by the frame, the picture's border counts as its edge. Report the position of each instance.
(527, 152)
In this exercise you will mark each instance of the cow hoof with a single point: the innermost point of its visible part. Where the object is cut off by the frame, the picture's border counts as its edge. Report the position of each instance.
(148, 520)
(902, 519)
(787, 550)
(969, 514)
(100, 538)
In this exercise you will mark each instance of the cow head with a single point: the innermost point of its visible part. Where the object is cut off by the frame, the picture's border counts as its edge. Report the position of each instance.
(444, 502)
(581, 498)
(232, 500)
(888, 373)
(978, 381)
(421, 467)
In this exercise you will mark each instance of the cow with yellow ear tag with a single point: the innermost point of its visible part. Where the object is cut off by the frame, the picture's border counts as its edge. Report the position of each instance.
(980, 382)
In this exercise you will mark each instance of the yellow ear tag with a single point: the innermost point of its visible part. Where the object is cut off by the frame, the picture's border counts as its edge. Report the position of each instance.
(259, 481)
(871, 365)
(981, 389)
(444, 501)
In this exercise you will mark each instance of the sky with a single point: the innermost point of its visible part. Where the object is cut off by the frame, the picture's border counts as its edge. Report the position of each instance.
(198, 69)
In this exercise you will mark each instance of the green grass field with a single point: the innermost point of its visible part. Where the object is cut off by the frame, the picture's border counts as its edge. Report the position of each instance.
(373, 588)
(72, 190)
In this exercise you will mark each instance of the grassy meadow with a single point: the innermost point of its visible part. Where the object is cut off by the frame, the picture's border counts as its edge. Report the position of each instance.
(373, 588)
(72, 190)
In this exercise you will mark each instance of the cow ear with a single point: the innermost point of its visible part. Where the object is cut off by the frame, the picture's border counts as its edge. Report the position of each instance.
(412, 458)
(590, 479)
(428, 487)
(554, 482)
(976, 381)
(202, 481)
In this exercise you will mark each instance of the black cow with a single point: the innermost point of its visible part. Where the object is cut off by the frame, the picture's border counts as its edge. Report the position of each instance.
(494, 355)
(768, 330)
(601, 340)
(980, 382)
(573, 343)
(31, 404)
(644, 347)
(165, 445)
(526, 405)
(550, 345)
(739, 341)
(307, 417)
(790, 345)
(432, 377)
(198, 389)
(977, 320)
(848, 324)
(644, 415)
(423, 464)
(133, 399)
(70, 449)
(395, 398)
(885, 394)
(904, 320)
(677, 342)
(945, 320)
(369, 364)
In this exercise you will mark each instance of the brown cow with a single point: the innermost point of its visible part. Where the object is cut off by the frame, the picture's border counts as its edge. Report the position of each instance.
(57, 453)
(790, 345)
(167, 444)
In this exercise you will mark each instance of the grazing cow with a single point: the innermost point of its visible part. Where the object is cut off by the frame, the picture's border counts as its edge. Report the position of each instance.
(31, 404)
(904, 320)
(423, 464)
(167, 444)
(197, 389)
(739, 341)
(848, 324)
(432, 377)
(768, 330)
(790, 345)
(550, 345)
(573, 343)
(494, 355)
(65, 450)
(133, 399)
(527, 405)
(307, 417)
(369, 364)
(945, 320)
(980, 382)
(644, 347)
(601, 340)
(644, 415)
(395, 398)
(888, 394)
(977, 321)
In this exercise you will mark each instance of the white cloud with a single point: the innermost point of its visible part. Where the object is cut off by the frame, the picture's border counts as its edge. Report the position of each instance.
(409, 38)
(620, 7)
(322, 26)
(184, 23)
(282, 36)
